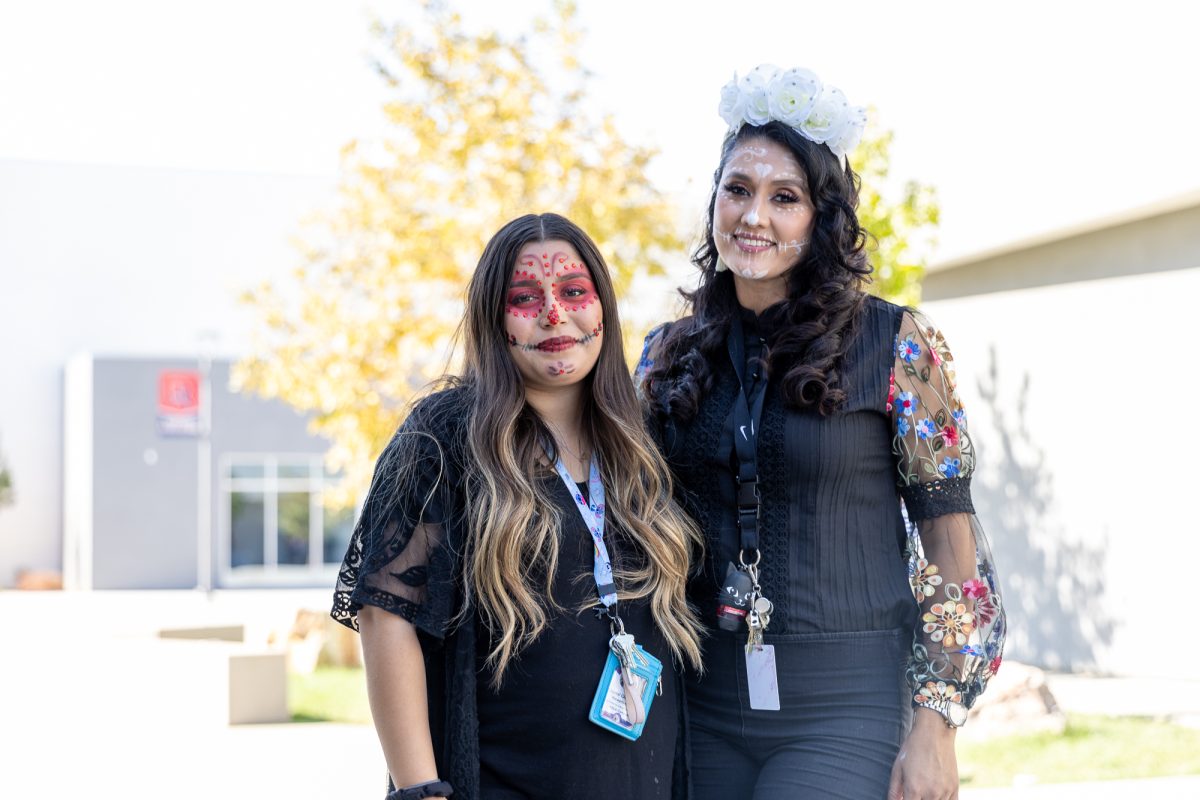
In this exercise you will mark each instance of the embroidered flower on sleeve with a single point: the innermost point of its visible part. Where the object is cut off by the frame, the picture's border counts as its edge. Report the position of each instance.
(907, 403)
(960, 417)
(986, 608)
(950, 467)
(939, 351)
(925, 428)
(924, 579)
(937, 693)
(891, 390)
(950, 436)
(908, 349)
(975, 588)
(949, 622)
(994, 667)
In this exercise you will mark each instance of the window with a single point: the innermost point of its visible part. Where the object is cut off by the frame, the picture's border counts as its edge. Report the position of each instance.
(276, 526)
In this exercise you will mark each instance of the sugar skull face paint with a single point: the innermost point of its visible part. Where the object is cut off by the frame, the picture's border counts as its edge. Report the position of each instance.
(553, 316)
(763, 217)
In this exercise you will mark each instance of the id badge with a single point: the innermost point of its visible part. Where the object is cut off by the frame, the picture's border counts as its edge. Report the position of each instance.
(762, 679)
(608, 707)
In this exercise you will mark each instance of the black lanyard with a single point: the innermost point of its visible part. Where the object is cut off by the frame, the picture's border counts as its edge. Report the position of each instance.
(747, 412)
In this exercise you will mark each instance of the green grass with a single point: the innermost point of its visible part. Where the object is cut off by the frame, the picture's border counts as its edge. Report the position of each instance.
(329, 694)
(1091, 748)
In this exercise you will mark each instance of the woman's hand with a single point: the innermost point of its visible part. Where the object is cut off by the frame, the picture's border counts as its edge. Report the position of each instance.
(926, 767)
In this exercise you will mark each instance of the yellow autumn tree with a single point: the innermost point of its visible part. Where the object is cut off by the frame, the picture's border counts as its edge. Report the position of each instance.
(478, 134)
(896, 217)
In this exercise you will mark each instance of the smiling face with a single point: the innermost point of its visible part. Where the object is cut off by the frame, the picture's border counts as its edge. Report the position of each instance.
(553, 318)
(762, 218)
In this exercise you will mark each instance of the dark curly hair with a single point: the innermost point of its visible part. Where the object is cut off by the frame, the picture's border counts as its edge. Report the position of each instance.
(820, 314)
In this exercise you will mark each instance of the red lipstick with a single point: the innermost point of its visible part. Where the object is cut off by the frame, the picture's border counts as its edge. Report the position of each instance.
(557, 344)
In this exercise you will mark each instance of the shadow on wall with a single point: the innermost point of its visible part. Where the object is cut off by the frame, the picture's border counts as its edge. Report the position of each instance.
(1053, 587)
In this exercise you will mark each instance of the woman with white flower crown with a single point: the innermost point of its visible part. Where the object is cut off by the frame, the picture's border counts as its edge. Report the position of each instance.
(815, 433)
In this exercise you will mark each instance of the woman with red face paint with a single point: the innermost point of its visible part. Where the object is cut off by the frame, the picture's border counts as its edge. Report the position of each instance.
(815, 433)
(518, 572)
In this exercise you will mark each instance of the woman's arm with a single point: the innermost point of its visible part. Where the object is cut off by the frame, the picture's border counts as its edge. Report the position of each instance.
(396, 688)
(959, 639)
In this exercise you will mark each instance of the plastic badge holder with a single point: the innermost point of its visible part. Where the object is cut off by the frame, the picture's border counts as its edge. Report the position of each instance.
(608, 707)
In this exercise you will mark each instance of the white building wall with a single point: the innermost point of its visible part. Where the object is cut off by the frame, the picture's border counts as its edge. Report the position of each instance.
(118, 260)
(1080, 398)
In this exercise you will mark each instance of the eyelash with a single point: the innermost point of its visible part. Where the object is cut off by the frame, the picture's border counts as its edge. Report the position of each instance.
(783, 197)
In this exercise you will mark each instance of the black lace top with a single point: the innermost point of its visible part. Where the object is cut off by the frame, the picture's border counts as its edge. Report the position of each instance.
(837, 553)
(531, 738)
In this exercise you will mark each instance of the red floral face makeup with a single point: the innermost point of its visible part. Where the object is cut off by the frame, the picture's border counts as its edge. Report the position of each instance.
(553, 315)
(569, 283)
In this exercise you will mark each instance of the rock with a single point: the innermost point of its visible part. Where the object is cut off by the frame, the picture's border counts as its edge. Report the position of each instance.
(316, 639)
(39, 580)
(1018, 700)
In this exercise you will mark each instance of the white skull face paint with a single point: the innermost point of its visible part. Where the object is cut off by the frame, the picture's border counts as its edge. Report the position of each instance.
(763, 217)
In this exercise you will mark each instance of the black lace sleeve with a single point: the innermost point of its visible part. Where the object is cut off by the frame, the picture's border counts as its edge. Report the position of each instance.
(397, 559)
(959, 641)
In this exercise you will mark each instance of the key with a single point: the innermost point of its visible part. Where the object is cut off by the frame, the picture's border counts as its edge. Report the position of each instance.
(623, 645)
(763, 608)
(754, 640)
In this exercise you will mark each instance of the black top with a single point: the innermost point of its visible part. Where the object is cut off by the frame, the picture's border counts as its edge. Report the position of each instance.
(533, 738)
(831, 530)
(837, 554)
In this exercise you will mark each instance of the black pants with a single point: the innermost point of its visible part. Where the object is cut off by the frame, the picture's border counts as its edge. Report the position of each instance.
(844, 710)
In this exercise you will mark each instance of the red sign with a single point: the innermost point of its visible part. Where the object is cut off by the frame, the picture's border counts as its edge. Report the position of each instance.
(179, 402)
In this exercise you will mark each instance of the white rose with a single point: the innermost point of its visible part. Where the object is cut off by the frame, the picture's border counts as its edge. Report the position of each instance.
(792, 95)
(754, 86)
(828, 116)
(851, 133)
(733, 103)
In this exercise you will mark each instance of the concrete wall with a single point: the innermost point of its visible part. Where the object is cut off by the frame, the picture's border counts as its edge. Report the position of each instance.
(143, 485)
(1077, 362)
(143, 525)
(124, 260)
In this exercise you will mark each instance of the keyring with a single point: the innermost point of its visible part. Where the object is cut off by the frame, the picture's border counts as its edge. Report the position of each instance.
(742, 558)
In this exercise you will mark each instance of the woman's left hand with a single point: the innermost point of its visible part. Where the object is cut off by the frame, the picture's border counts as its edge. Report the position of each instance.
(926, 767)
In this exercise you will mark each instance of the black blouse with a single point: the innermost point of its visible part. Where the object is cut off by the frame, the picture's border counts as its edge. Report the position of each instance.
(838, 554)
(532, 738)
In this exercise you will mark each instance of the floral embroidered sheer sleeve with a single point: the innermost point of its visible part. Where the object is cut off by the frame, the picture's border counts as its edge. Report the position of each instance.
(959, 638)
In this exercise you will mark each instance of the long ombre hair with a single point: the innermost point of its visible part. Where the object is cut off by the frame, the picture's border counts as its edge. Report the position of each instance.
(513, 524)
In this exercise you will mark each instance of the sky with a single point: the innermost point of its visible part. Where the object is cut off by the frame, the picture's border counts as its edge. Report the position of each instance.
(1025, 116)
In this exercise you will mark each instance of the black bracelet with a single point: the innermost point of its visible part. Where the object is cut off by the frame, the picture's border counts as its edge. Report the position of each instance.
(438, 788)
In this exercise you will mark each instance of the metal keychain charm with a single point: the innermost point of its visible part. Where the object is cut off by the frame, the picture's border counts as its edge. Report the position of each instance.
(759, 614)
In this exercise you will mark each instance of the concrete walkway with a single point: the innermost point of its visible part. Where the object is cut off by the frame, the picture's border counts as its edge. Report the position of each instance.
(87, 709)
(1184, 788)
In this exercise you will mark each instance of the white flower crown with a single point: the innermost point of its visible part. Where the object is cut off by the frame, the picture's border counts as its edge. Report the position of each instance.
(798, 99)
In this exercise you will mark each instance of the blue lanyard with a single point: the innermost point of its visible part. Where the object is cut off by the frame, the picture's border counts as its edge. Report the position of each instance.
(592, 512)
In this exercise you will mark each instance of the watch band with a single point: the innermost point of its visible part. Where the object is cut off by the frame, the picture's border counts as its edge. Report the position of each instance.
(954, 714)
(438, 788)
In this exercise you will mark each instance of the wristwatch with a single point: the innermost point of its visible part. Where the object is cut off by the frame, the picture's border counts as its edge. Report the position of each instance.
(953, 712)
(422, 790)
